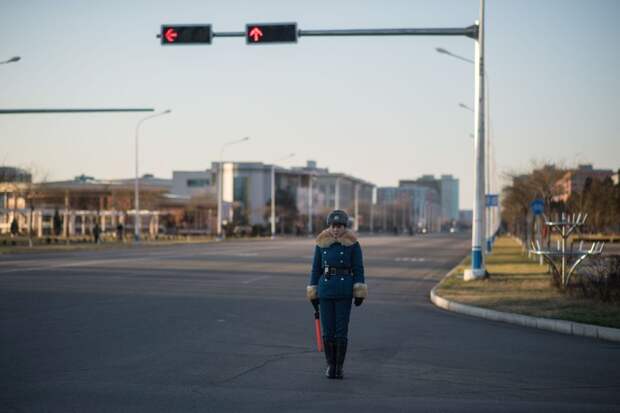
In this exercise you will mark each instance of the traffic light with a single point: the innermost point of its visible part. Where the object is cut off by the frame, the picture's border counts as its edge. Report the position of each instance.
(259, 33)
(186, 34)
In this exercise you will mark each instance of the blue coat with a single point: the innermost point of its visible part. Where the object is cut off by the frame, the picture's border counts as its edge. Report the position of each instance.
(344, 252)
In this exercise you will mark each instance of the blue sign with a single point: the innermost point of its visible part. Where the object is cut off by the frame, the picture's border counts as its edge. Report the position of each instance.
(492, 200)
(538, 206)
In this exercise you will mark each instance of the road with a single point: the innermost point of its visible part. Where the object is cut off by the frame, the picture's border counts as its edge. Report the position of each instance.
(226, 327)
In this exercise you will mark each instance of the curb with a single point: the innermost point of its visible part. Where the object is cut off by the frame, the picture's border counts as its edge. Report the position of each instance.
(558, 326)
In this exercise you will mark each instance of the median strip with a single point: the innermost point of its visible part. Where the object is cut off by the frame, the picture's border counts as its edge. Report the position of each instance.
(520, 291)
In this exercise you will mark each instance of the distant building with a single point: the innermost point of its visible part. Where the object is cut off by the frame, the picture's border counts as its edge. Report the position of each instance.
(15, 183)
(445, 190)
(84, 201)
(408, 208)
(192, 183)
(574, 180)
(449, 198)
(12, 174)
(300, 191)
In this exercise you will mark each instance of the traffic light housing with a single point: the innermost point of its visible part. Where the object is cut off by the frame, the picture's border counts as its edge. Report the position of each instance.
(186, 34)
(261, 33)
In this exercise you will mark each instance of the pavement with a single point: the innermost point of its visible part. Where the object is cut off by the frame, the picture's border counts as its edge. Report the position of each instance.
(225, 327)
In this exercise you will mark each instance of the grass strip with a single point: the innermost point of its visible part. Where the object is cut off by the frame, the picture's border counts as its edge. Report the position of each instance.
(519, 285)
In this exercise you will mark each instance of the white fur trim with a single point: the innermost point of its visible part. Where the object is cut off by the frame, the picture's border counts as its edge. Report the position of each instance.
(360, 290)
(311, 292)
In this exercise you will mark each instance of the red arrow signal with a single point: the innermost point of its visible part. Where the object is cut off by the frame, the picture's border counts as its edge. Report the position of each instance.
(267, 33)
(256, 34)
(170, 35)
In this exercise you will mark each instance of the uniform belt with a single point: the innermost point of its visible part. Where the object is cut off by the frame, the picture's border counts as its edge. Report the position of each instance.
(337, 271)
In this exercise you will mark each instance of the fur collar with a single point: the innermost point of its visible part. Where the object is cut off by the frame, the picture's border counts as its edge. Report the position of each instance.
(325, 239)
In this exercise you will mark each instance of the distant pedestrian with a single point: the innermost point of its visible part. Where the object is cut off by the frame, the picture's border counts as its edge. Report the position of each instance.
(96, 232)
(120, 232)
(14, 227)
(337, 279)
(57, 223)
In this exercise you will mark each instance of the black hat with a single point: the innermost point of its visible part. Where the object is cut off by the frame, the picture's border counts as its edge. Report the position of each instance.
(338, 216)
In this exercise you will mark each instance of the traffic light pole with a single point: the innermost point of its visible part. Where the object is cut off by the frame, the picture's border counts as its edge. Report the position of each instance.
(471, 31)
(271, 33)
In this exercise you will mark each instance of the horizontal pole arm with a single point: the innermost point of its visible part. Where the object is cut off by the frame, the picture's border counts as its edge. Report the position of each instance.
(471, 31)
(25, 111)
(228, 34)
(468, 31)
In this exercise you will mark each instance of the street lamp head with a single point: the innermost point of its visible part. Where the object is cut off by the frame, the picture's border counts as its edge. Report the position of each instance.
(14, 59)
(442, 50)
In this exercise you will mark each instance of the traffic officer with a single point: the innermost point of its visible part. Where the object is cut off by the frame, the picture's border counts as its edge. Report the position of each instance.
(337, 279)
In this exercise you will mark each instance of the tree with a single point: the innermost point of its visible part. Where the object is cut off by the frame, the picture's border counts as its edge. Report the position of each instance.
(540, 183)
(601, 201)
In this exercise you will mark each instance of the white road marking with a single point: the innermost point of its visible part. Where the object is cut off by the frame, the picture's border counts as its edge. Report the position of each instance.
(251, 280)
(410, 259)
(75, 264)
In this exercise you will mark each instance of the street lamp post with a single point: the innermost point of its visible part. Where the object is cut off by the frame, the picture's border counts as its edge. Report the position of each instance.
(310, 178)
(477, 269)
(136, 182)
(489, 218)
(273, 194)
(220, 184)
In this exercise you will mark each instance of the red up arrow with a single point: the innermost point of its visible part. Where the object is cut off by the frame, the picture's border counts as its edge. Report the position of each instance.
(256, 34)
(170, 35)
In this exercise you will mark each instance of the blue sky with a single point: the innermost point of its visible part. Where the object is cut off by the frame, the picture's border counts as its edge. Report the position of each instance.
(379, 108)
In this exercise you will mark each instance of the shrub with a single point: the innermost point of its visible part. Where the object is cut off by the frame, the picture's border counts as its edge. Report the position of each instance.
(599, 278)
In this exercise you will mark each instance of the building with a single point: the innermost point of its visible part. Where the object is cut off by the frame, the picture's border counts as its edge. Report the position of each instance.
(15, 188)
(408, 208)
(334, 190)
(192, 183)
(446, 188)
(80, 203)
(574, 180)
(304, 196)
(449, 198)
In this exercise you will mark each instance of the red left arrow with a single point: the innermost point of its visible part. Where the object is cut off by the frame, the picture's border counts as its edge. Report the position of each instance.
(170, 35)
(256, 34)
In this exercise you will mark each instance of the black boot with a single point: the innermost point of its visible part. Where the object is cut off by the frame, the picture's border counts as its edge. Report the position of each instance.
(341, 352)
(329, 346)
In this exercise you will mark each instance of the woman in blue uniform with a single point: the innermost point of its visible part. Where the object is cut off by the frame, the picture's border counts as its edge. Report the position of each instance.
(336, 281)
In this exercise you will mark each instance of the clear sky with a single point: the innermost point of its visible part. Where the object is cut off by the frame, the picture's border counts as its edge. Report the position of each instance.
(378, 108)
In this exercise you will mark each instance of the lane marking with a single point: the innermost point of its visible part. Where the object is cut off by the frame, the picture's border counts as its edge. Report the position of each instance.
(410, 259)
(251, 280)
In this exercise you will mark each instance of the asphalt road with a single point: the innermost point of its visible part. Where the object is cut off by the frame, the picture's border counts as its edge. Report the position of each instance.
(226, 327)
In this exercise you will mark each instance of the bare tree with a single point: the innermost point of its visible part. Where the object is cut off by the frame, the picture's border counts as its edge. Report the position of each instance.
(540, 183)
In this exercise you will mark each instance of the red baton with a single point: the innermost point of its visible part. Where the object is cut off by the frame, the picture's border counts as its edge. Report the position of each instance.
(317, 330)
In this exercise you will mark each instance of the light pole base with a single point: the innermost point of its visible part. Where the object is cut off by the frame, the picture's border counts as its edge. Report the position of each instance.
(473, 274)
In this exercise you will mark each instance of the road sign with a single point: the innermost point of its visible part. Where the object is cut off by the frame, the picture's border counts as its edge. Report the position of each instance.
(538, 206)
(185, 34)
(260, 33)
(492, 200)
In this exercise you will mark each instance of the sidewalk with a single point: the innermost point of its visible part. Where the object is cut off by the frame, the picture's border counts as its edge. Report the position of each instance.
(519, 291)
